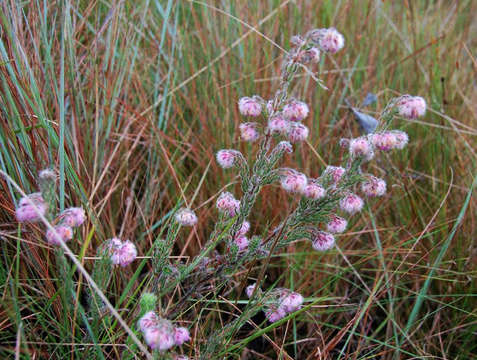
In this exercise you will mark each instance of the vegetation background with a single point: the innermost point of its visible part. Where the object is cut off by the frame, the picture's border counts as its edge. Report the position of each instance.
(129, 100)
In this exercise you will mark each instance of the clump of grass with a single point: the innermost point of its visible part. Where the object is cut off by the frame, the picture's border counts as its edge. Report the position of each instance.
(142, 84)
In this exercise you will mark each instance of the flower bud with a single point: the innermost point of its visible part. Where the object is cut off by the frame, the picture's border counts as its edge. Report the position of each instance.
(250, 106)
(295, 110)
(61, 233)
(293, 181)
(373, 186)
(249, 132)
(322, 241)
(30, 208)
(297, 132)
(186, 217)
(336, 224)
(351, 203)
(227, 158)
(411, 107)
(147, 301)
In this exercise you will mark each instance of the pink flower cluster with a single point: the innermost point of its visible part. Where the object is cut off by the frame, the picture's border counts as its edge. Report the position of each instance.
(389, 140)
(373, 187)
(411, 107)
(293, 181)
(122, 253)
(329, 40)
(322, 241)
(66, 221)
(160, 334)
(249, 131)
(314, 190)
(30, 208)
(361, 147)
(186, 217)
(336, 224)
(228, 204)
(284, 301)
(240, 239)
(227, 158)
(284, 122)
(351, 203)
(250, 106)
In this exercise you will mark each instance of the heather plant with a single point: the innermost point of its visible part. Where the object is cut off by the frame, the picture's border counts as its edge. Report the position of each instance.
(321, 201)
(318, 216)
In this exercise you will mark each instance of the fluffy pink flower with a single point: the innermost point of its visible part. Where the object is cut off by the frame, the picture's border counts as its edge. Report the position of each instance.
(295, 110)
(285, 146)
(74, 216)
(291, 302)
(374, 187)
(181, 335)
(411, 107)
(384, 141)
(322, 241)
(331, 40)
(186, 217)
(297, 132)
(250, 106)
(297, 40)
(336, 172)
(226, 203)
(401, 139)
(351, 203)
(314, 191)
(249, 132)
(122, 253)
(278, 124)
(148, 320)
(161, 336)
(361, 147)
(244, 228)
(26, 212)
(241, 242)
(250, 289)
(275, 314)
(309, 56)
(293, 181)
(336, 224)
(62, 233)
(227, 157)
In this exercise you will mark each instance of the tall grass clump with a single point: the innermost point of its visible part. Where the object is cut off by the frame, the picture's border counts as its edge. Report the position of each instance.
(195, 180)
